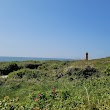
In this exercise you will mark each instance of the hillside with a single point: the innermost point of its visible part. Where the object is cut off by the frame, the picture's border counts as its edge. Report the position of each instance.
(55, 85)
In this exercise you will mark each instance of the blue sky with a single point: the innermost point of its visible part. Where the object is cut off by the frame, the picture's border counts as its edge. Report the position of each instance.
(55, 28)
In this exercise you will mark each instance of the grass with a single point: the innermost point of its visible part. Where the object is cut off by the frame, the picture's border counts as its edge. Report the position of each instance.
(80, 93)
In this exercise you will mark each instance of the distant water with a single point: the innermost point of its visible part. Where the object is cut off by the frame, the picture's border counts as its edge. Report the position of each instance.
(6, 59)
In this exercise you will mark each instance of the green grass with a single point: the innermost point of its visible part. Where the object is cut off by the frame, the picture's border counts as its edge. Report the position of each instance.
(80, 93)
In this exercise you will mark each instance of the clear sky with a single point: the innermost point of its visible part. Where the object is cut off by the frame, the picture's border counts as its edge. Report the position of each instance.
(55, 28)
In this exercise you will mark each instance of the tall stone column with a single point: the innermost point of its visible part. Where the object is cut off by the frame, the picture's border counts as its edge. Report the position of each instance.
(86, 55)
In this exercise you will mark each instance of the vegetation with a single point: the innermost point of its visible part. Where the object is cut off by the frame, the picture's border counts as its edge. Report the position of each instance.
(55, 85)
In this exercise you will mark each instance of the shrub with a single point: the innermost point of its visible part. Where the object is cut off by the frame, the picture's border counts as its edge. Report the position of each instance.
(65, 95)
(32, 65)
(73, 71)
(27, 73)
(107, 71)
(10, 104)
(59, 75)
(55, 66)
(7, 68)
(88, 71)
(2, 81)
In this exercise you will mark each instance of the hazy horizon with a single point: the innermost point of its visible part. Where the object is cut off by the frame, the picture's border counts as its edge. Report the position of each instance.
(39, 57)
(55, 29)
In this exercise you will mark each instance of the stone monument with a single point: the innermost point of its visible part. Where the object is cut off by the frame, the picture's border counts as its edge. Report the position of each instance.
(87, 56)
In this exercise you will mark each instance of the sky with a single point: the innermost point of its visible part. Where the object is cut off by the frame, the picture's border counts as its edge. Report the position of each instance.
(55, 28)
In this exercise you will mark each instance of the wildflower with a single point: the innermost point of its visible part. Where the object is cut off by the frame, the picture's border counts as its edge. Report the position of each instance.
(36, 99)
(40, 95)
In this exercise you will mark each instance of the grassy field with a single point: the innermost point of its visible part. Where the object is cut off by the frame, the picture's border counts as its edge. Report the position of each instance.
(55, 85)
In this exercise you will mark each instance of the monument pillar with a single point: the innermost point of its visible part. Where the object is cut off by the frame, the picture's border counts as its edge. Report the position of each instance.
(87, 56)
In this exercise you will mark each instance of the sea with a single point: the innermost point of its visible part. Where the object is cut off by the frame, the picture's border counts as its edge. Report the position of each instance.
(10, 59)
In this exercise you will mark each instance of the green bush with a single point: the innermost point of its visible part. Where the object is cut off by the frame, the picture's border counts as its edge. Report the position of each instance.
(27, 73)
(10, 104)
(5, 69)
(88, 71)
(2, 81)
(79, 72)
(55, 66)
(107, 71)
(32, 65)
(73, 71)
